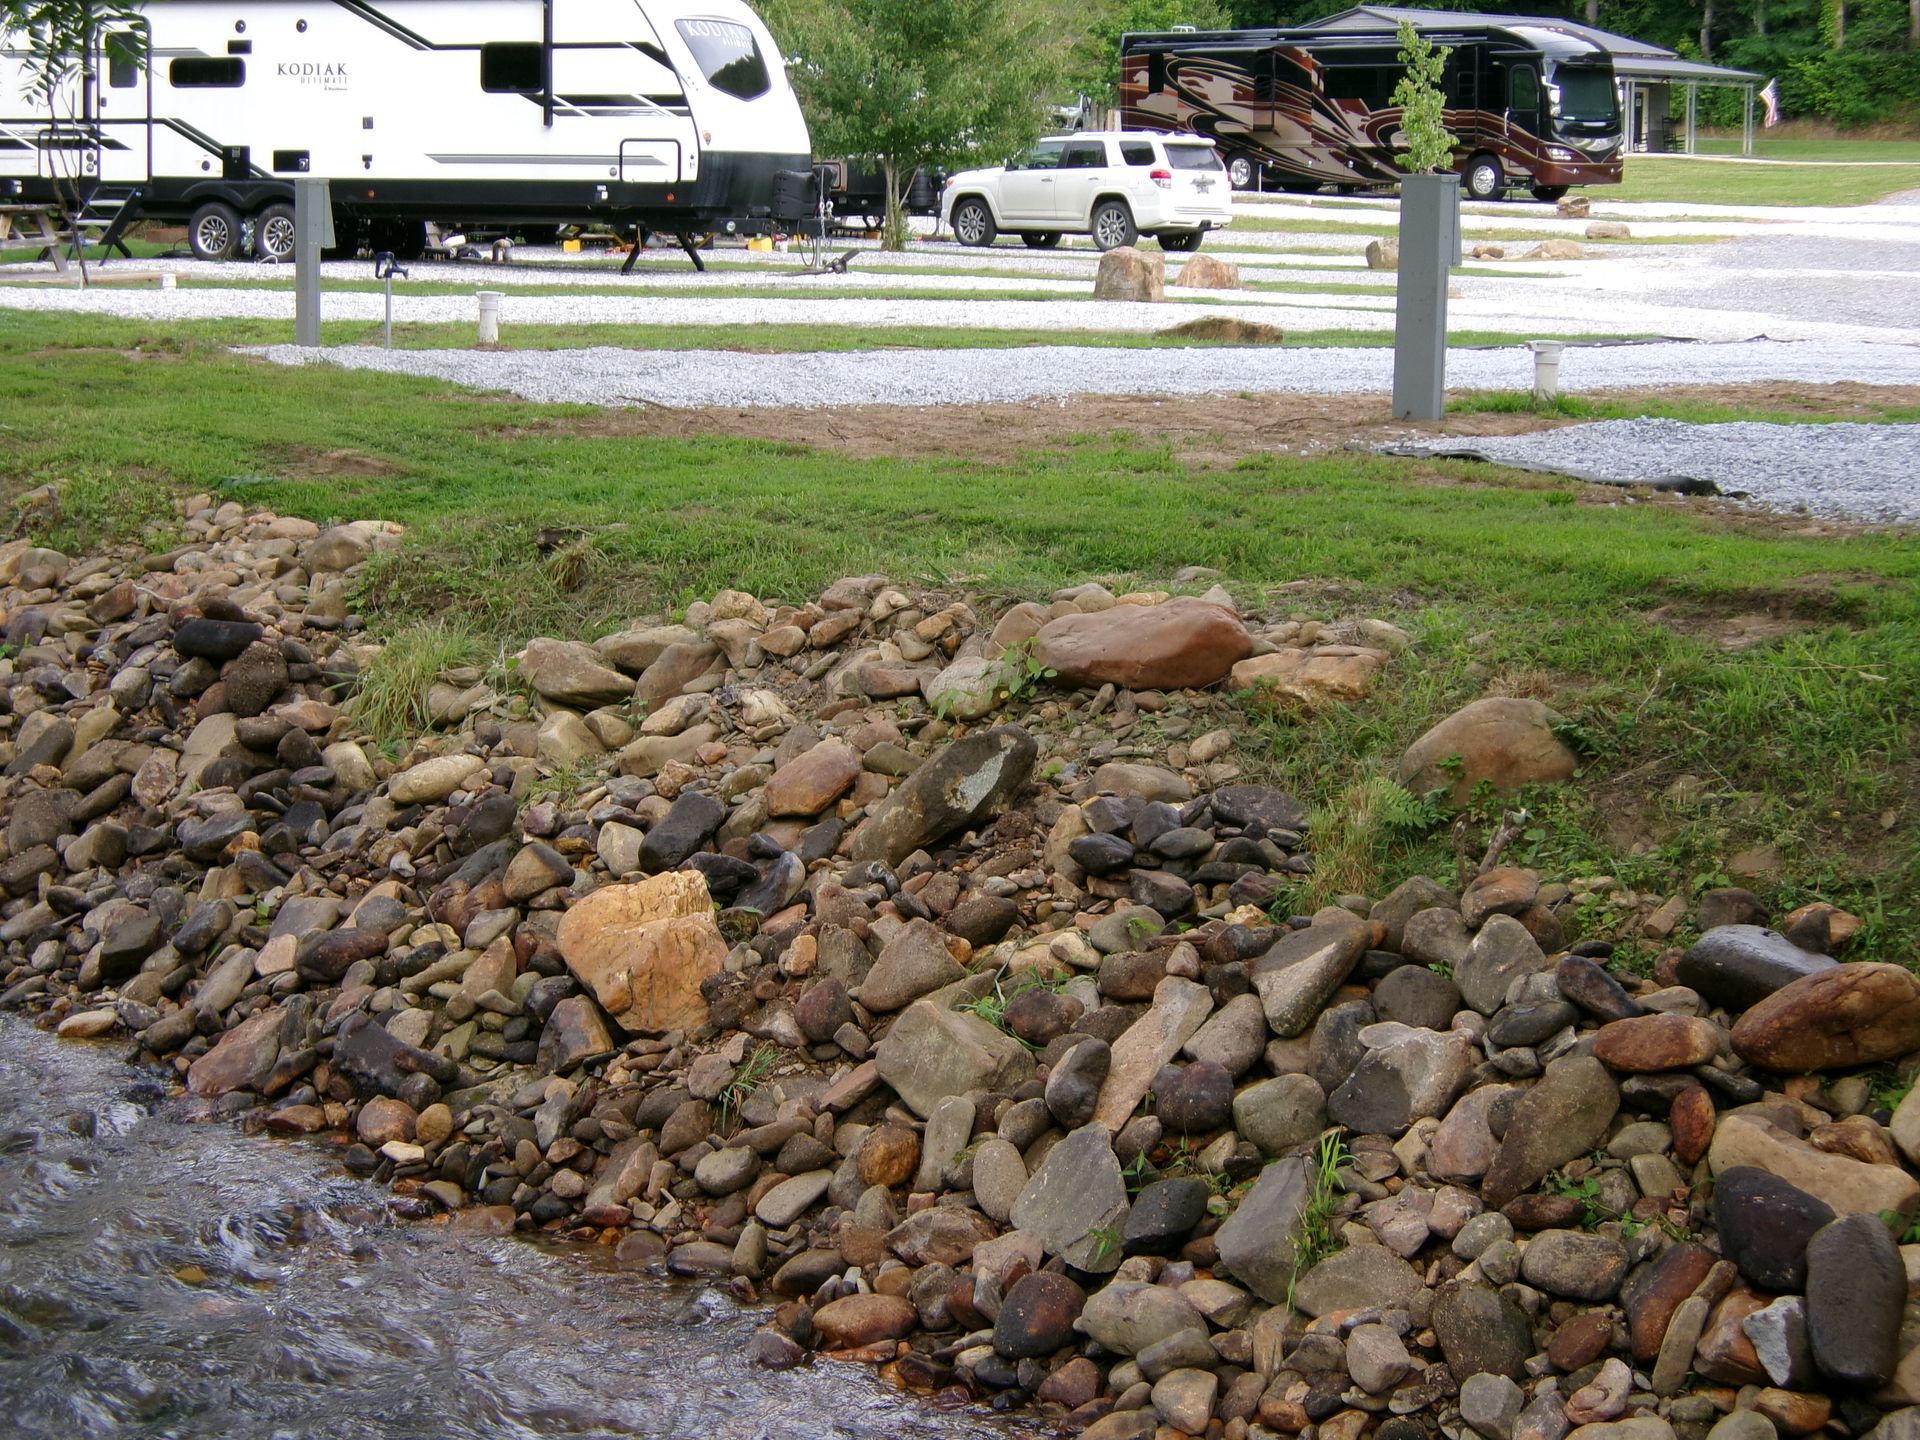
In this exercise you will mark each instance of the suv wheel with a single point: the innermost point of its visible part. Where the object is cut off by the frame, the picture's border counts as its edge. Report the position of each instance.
(1484, 180)
(973, 222)
(1112, 225)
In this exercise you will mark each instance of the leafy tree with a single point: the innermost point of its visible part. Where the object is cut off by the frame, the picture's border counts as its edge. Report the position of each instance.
(1094, 66)
(913, 83)
(1423, 127)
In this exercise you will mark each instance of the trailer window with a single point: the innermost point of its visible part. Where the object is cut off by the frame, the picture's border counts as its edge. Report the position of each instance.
(207, 73)
(516, 69)
(123, 60)
(728, 56)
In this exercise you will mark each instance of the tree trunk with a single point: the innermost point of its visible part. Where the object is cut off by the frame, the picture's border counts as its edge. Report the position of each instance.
(1913, 22)
(1760, 17)
(1839, 24)
(1593, 11)
(1706, 29)
(894, 235)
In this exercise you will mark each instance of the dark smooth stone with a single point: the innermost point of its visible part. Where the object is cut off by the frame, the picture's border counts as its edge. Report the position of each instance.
(1765, 1223)
(1164, 1215)
(1740, 965)
(1590, 987)
(1856, 1291)
(215, 640)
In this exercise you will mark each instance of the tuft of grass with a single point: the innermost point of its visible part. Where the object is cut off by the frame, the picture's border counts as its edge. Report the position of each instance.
(751, 1075)
(94, 505)
(1356, 836)
(1316, 1238)
(391, 703)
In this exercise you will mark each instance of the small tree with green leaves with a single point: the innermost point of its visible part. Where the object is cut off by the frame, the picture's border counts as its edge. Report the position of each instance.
(1423, 127)
(61, 40)
(910, 84)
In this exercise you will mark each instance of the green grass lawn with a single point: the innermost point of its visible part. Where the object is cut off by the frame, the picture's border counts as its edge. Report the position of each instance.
(1767, 147)
(1511, 583)
(1680, 181)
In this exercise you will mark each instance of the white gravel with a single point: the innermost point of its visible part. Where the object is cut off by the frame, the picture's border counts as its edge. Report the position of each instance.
(693, 378)
(1848, 471)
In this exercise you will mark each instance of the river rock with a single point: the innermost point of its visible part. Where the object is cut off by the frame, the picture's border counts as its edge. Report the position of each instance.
(1590, 987)
(1037, 1316)
(1740, 965)
(933, 1052)
(1506, 742)
(1408, 1074)
(1073, 1086)
(1839, 1181)
(856, 1320)
(1856, 1292)
(1127, 1317)
(809, 783)
(1765, 1223)
(1657, 1042)
(1194, 1099)
(1164, 1214)
(1354, 1279)
(971, 779)
(1234, 1037)
(1280, 1114)
(1179, 1008)
(1778, 1335)
(572, 674)
(1501, 953)
(1574, 1264)
(242, 1058)
(916, 962)
(1256, 1244)
(1654, 1291)
(1076, 1202)
(1565, 1114)
(1297, 977)
(574, 1033)
(432, 780)
(215, 640)
(1415, 995)
(1181, 644)
(1849, 1015)
(644, 949)
(1481, 1331)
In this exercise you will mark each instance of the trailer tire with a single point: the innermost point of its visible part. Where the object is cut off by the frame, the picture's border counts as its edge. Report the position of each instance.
(1182, 241)
(273, 232)
(1041, 239)
(347, 233)
(973, 223)
(1112, 225)
(1303, 187)
(1242, 172)
(214, 232)
(407, 239)
(1549, 193)
(1483, 179)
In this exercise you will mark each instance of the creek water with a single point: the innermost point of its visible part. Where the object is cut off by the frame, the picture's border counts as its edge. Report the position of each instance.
(162, 1277)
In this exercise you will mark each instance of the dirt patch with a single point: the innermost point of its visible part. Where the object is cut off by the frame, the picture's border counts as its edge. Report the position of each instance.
(1213, 430)
(337, 464)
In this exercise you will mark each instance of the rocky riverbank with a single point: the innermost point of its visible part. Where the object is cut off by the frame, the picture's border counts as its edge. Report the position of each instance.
(925, 968)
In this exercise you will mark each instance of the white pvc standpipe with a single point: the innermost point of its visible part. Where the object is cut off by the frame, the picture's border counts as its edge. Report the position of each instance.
(489, 316)
(1546, 367)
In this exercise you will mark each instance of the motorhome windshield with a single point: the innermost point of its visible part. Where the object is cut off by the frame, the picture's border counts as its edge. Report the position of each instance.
(1584, 95)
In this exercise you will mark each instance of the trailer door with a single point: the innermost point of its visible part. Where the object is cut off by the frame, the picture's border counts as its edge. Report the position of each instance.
(123, 101)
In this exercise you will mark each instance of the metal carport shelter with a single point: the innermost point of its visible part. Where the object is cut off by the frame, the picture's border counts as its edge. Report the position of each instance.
(1647, 72)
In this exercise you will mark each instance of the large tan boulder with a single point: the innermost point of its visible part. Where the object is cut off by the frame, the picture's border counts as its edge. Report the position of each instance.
(1383, 255)
(643, 950)
(1339, 672)
(1506, 742)
(1850, 1015)
(570, 673)
(1183, 644)
(1207, 272)
(1130, 274)
(1574, 207)
(1556, 250)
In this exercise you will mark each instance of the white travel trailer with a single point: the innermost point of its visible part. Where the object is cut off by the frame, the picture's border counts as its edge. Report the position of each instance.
(665, 114)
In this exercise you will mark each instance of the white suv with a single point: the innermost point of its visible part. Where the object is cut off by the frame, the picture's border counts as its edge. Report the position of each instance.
(1115, 185)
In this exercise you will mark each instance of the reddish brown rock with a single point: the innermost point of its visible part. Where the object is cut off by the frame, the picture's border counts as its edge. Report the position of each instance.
(243, 1057)
(1581, 1341)
(382, 1119)
(1792, 1412)
(1184, 644)
(1648, 1043)
(855, 1320)
(644, 949)
(1725, 1353)
(889, 1155)
(1503, 890)
(809, 783)
(1506, 742)
(1654, 1293)
(1341, 672)
(1850, 1015)
(1037, 1316)
(1691, 1120)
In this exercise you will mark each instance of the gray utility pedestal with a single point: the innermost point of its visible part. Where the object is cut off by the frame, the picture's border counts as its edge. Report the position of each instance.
(312, 234)
(1429, 247)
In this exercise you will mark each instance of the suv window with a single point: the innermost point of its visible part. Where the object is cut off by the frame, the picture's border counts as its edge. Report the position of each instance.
(1084, 155)
(1192, 157)
(1137, 152)
(1045, 156)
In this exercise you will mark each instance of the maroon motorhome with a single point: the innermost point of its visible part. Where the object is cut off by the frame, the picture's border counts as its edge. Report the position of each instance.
(1530, 106)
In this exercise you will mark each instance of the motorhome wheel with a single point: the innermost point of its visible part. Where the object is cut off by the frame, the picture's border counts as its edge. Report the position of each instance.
(1549, 193)
(1241, 173)
(214, 232)
(1484, 179)
(273, 232)
(1113, 225)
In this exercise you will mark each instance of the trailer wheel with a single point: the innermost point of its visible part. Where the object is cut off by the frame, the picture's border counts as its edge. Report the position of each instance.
(1303, 187)
(346, 238)
(407, 239)
(273, 231)
(973, 222)
(1041, 239)
(1242, 173)
(214, 232)
(1484, 179)
(1549, 193)
(1113, 225)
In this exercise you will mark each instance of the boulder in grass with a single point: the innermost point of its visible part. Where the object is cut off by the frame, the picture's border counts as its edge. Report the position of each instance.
(1506, 742)
(1208, 272)
(1183, 644)
(1130, 274)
